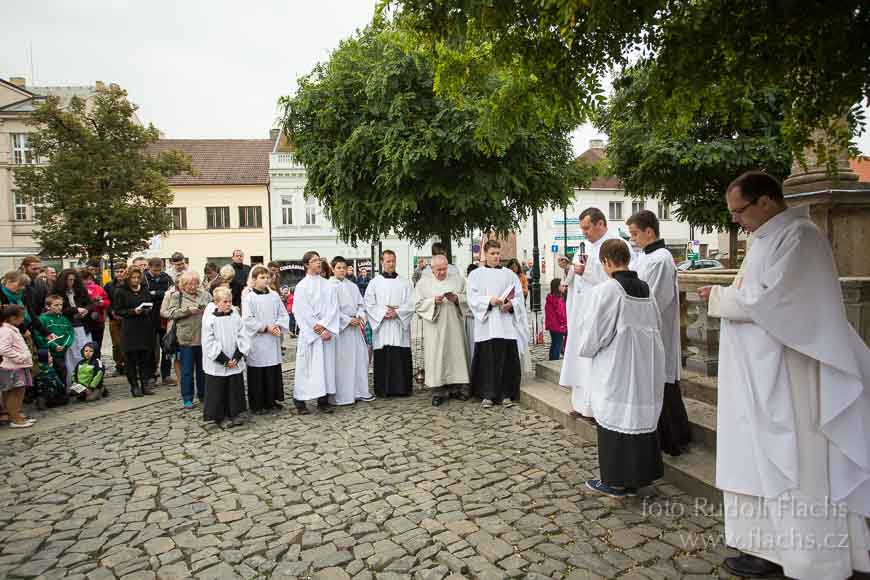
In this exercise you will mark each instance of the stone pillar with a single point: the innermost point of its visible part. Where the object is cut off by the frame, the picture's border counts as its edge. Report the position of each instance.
(856, 299)
(701, 332)
(840, 205)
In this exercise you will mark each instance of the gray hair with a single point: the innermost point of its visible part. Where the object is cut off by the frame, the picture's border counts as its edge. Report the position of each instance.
(187, 277)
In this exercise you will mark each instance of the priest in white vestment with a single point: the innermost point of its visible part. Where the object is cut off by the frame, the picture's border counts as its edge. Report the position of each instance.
(501, 330)
(351, 350)
(655, 266)
(621, 336)
(390, 308)
(317, 315)
(586, 272)
(793, 441)
(439, 301)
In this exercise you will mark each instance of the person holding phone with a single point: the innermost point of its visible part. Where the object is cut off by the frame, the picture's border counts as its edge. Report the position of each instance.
(133, 305)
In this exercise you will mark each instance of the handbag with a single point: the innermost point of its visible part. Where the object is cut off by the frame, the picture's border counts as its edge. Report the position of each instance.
(170, 339)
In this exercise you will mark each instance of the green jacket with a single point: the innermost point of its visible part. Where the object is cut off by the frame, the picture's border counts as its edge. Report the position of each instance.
(55, 324)
(89, 373)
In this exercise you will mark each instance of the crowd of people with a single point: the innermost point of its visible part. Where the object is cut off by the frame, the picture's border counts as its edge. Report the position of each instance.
(792, 379)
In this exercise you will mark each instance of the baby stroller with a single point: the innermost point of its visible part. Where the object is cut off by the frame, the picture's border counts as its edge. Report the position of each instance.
(47, 389)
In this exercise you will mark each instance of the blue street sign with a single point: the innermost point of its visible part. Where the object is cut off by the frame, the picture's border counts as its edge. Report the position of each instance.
(554, 248)
(475, 248)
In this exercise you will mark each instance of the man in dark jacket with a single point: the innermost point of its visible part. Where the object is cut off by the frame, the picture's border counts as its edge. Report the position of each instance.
(241, 279)
(36, 291)
(158, 283)
(114, 319)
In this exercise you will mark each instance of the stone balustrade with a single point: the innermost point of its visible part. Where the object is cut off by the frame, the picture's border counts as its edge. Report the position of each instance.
(700, 333)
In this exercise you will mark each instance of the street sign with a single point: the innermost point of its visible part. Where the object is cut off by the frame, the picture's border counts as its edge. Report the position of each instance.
(475, 249)
(570, 251)
(554, 248)
(570, 237)
(561, 221)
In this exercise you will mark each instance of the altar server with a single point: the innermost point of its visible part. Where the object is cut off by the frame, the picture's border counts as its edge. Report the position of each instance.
(265, 319)
(351, 351)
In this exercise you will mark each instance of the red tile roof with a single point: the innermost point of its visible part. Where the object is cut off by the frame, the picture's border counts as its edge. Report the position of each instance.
(221, 161)
(596, 155)
(861, 166)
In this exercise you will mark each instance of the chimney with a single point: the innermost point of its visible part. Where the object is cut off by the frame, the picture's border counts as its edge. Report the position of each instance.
(19, 82)
(273, 134)
(100, 86)
(596, 143)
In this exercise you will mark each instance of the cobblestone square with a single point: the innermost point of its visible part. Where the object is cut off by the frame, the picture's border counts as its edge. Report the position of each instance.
(389, 489)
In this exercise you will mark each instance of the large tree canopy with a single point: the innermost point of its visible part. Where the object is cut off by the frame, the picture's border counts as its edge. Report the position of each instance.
(385, 155)
(709, 53)
(690, 167)
(100, 193)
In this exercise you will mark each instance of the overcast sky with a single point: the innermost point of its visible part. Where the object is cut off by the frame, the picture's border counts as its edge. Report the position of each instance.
(196, 68)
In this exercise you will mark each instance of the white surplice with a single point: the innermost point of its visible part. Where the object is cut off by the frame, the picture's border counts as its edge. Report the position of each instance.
(445, 352)
(315, 302)
(575, 369)
(259, 310)
(223, 334)
(351, 351)
(383, 292)
(621, 336)
(792, 431)
(485, 283)
(658, 270)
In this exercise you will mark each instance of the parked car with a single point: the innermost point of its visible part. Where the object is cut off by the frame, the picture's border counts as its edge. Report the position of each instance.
(699, 265)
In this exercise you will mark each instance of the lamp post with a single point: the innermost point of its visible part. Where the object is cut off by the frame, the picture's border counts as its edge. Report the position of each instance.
(565, 230)
(536, 267)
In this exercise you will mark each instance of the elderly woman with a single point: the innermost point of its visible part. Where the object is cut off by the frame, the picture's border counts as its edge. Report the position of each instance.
(184, 307)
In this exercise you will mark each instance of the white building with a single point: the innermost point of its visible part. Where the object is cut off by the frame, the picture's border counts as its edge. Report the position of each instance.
(299, 225)
(606, 194)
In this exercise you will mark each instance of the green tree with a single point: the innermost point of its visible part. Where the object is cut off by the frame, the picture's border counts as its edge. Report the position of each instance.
(691, 166)
(710, 54)
(100, 193)
(385, 155)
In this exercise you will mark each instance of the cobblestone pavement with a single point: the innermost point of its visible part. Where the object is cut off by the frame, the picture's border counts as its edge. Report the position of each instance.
(390, 489)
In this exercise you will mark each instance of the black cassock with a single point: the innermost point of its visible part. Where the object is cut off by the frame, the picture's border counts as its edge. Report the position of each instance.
(393, 374)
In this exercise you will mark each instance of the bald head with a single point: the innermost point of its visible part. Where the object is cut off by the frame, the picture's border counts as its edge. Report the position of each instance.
(439, 267)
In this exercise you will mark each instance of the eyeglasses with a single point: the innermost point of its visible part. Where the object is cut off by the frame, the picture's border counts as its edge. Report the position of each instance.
(738, 211)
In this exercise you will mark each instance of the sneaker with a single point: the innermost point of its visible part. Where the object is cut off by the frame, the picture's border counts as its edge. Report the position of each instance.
(604, 489)
(368, 399)
(188, 405)
(507, 403)
(24, 425)
(486, 404)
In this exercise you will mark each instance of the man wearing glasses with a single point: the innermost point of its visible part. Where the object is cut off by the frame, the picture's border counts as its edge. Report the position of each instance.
(793, 448)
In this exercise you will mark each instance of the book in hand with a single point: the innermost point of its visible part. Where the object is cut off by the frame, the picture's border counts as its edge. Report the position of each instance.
(146, 305)
(508, 294)
(77, 388)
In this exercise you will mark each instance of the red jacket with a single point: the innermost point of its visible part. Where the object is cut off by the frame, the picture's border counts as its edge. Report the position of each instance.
(96, 291)
(555, 315)
(290, 303)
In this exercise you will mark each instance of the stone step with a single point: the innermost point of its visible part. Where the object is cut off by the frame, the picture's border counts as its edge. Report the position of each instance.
(698, 387)
(694, 472)
(702, 412)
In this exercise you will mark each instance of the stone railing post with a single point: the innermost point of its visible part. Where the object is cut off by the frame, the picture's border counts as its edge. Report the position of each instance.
(700, 331)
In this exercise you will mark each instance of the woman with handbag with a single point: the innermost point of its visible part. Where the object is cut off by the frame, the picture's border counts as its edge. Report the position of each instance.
(185, 306)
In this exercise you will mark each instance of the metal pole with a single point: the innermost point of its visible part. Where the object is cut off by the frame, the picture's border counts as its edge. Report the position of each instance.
(536, 267)
(380, 254)
(565, 229)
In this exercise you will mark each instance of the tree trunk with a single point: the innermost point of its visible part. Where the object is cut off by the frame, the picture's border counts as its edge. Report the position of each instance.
(732, 246)
(448, 246)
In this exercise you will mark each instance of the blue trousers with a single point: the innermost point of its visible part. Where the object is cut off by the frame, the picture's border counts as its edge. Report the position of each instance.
(191, 371)
(556, 339)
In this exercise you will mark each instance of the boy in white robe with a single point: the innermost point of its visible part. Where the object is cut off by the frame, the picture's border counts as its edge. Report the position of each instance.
(793, 448)
(224, 348)
(585, 273)
(621, 337)
(351, 350)
(390, 308)
(317, 316)
(265, 319)
(501, 331)
(655, 266)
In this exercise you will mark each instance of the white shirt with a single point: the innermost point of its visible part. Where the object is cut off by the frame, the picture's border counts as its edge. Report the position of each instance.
(383, 292)
(490, 322)
(658, 270)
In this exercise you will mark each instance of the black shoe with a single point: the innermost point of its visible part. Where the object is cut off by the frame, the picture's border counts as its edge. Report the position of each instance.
(105, 392)
(461, 397)
(752, 567)
(303, 410)
(436, 401)
(326, 409)
(136, 391)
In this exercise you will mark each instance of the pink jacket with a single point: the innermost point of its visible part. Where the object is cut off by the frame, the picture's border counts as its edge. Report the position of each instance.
(99, 308)
(13, 349)
(555, 316)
